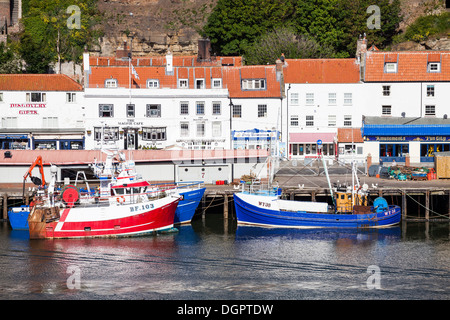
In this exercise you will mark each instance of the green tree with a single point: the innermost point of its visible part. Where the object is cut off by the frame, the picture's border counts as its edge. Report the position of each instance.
(46, 29)
(269, 47)
(318, 18)
(234, 25)
(352, 19)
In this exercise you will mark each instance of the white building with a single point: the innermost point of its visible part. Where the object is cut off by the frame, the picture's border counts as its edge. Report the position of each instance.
(41, 112)
(180, 103)
(157, 103)
(385, 88)
(408, 103)
(323, 95)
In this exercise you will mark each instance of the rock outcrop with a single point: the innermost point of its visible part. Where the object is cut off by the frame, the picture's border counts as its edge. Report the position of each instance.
(151, 26)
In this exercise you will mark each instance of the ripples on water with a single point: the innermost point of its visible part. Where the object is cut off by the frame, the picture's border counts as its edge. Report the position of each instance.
(202, 261)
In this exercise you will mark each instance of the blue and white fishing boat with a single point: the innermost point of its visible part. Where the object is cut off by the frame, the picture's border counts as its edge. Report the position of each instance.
(264, 207)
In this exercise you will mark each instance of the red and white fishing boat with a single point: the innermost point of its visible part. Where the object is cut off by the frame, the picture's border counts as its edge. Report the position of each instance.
(120, 206)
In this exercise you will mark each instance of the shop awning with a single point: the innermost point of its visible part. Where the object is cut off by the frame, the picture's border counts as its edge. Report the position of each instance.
(405, 130)
(312, 137)
(13, 136)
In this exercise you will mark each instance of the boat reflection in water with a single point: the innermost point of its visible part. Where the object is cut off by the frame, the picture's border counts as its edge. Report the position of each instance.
(355, 235)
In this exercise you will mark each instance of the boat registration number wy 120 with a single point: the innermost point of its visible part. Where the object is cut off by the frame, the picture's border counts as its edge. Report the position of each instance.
(264, 204)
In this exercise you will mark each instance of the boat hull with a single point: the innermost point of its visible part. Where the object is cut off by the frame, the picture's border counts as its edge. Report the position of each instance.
(106, 221)
(18, 217)
(188, 205)
(262, 211)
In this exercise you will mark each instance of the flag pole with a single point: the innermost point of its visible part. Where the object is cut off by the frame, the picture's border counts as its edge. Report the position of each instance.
(129, 73)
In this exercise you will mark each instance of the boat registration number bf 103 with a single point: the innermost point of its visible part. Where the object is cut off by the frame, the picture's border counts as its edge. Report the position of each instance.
(142, 207)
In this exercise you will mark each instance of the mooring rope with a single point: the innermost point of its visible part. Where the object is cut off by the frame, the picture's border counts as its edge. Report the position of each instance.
(429, 209)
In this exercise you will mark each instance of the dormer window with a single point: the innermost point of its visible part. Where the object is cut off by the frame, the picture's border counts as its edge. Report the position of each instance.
(152, 83)
(111, 83)
(217, 83)
(200, 83)
(390, 67)
(183, 83)
(253, 84)
(434, 67)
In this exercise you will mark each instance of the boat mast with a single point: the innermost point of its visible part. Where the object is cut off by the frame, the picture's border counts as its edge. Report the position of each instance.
(329, 182)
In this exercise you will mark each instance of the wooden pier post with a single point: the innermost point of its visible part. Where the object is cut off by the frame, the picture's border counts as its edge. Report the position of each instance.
(313, 196)
(203, 208)
(225, 214)
(225, 207)
(404, 209)
(427, 205)
(5, 206)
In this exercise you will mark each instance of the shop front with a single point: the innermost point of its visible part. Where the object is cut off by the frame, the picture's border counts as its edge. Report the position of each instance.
(304, 145)
(391, 143)
(14, 141)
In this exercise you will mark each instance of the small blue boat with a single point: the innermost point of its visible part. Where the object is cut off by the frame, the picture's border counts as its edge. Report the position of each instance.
(191, 193)
(188, 205)
(18, 217)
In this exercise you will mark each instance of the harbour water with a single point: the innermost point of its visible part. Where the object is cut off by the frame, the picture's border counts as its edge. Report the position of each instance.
(213, 259)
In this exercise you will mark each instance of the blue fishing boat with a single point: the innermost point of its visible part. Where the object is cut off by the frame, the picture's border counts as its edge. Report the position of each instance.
(18, 217)
(259, 206)
(191, 194)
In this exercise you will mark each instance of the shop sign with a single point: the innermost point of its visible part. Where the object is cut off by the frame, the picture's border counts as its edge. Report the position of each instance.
(129, 122)
(407, 138)
(252, 134)
(33, 106)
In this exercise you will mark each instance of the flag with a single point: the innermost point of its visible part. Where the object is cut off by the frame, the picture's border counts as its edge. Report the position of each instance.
(133, 71)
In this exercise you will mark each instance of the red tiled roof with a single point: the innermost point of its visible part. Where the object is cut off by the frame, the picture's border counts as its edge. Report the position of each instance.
(100, 74)
(412, 66)
(38, 82)
(349, 135)
(321, 71)
(231, 78)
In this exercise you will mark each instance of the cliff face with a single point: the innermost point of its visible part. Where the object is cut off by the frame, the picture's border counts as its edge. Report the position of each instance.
(152, 26)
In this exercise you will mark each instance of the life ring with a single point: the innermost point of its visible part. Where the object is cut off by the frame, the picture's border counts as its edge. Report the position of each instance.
(120, 199)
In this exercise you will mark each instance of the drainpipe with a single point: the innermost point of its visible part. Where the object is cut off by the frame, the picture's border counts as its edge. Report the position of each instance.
(288, 147)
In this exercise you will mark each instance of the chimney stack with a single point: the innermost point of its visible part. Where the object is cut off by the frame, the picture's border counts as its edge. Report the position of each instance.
(361, 50)
(122, 53)
(204, 50)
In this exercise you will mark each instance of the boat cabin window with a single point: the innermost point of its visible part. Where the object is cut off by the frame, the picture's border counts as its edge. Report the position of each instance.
(119, 191)
(136, 190)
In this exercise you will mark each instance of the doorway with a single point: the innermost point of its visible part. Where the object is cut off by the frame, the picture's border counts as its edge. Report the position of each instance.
(130, 138)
